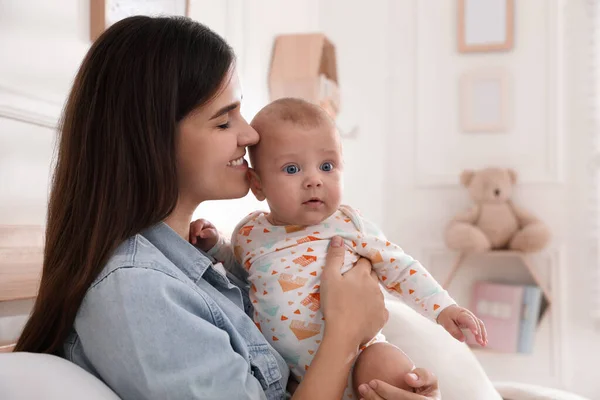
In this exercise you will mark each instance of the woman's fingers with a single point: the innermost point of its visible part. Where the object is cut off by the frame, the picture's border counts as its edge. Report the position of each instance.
(374, 276)
(381, 390)
(363, 266)
(367, 393)
(334, 260)
(357, 317)
(421, 378)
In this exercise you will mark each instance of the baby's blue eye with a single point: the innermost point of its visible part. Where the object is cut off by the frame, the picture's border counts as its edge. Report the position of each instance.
(291, 169)
(327, 167)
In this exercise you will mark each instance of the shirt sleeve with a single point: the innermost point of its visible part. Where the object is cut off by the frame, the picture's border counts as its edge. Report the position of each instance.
(402, 276)
(159, 343)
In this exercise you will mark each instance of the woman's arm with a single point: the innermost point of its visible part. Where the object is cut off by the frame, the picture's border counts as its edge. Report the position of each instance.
(354, 312)
(149, 336)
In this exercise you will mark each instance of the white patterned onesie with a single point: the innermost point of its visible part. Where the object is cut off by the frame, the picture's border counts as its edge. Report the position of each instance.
(284, 265)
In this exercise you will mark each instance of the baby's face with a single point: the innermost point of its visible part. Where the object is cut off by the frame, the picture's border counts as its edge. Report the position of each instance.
(300, 173)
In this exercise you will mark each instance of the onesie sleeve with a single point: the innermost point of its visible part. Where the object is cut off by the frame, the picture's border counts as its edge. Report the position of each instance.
(229, 252)
(402, 276)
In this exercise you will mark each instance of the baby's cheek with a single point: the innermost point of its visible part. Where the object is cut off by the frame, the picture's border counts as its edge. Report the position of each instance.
(285, 199)
(336, 191)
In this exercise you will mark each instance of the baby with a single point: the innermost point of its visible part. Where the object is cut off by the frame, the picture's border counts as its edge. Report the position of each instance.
(297, 167)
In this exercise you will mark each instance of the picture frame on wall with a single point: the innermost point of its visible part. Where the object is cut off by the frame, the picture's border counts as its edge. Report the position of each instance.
(104, 13)
(485, 25)
(485, 101)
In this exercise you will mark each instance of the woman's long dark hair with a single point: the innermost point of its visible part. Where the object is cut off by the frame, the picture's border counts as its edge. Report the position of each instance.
(115, 171)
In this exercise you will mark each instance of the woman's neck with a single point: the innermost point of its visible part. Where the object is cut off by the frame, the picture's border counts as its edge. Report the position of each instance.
(180, 218)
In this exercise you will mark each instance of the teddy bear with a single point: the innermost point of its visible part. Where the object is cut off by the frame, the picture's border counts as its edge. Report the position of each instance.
(494, 222)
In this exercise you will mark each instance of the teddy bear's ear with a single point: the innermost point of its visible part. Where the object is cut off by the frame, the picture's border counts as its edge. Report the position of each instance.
(466, 177)
(513, 175)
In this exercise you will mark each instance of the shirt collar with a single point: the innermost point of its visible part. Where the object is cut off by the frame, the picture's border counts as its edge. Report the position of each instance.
(189, 259)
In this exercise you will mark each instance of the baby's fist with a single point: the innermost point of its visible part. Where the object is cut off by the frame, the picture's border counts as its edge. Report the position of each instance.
(203, 234)
(455, 318)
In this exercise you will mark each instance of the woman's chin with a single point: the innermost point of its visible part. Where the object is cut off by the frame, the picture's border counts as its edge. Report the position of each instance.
(231, 190)
(238, 193)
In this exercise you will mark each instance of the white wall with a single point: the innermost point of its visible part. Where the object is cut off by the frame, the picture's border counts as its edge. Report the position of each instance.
(546, 144)
(425, 135)
(398, 72)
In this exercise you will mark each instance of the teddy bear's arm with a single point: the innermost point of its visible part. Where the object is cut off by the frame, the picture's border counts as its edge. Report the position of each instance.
(524, 217)
(470, 216)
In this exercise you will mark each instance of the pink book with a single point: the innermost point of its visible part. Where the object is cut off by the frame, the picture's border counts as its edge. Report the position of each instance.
(499, 306)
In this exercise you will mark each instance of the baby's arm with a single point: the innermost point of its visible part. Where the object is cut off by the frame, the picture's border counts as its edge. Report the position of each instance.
(205, 236)
(402, 275)
(406, 278)
(223, 251)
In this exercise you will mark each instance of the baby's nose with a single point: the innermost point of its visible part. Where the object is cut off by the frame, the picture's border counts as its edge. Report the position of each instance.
(312, 182)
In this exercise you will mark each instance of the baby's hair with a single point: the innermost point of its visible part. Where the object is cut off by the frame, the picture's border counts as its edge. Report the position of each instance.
(293, 110)
(299, 112)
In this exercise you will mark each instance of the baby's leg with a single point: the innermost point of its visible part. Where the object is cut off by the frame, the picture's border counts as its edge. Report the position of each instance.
(382, 361)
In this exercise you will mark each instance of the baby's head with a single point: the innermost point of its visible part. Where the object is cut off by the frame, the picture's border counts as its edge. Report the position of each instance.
(297, 164)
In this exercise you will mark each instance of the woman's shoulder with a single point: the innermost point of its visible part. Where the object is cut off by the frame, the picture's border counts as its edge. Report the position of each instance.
(138, 253)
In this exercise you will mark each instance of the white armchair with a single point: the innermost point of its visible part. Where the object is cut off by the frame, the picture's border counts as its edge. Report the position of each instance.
(459, 372)
(38, 376)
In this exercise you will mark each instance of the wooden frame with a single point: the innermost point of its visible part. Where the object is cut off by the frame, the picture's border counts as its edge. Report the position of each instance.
(21, 258)
(481, 28)
(20, 272)
(98, 17)
(7, 348)
(304, 65)
(485, 98)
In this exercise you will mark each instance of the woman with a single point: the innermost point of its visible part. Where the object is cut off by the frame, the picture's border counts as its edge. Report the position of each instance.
(152, 128)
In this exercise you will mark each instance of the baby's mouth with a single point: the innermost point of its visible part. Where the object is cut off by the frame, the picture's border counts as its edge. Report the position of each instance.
(314, 201)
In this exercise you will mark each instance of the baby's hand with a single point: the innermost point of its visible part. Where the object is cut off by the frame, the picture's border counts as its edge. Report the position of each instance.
(203, 234)
(455, 318)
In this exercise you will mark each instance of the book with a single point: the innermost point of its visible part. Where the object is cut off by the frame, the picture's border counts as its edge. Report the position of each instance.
(510, 313)
(532, 302)
(499, 306)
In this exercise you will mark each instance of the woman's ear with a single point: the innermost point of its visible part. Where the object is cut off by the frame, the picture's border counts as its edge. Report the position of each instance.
(255, 184)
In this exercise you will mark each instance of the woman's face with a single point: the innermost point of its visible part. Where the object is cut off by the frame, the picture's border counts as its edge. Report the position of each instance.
(211, 145)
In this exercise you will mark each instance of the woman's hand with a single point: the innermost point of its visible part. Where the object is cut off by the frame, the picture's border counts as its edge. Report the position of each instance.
(354, 311)
(425, 386)
(352, 304)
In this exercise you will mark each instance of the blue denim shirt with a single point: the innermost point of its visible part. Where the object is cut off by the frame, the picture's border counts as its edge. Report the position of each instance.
(160, 322)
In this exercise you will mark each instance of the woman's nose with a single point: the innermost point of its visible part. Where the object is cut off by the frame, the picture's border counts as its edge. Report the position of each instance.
(247, 136)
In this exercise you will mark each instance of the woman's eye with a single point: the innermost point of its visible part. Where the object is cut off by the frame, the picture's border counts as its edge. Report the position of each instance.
(292, 169)
(223, 126)
(326, 167)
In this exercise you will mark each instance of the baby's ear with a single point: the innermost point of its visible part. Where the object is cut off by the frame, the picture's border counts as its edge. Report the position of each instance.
(255, 184)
